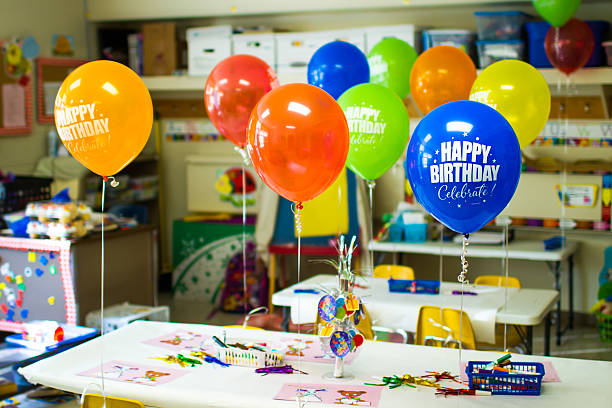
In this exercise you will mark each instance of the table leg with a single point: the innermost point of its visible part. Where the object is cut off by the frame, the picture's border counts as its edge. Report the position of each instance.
(285, 322)
(547, 334)
(271, 281)
(529, 339)
(570, 262)
(557, 272)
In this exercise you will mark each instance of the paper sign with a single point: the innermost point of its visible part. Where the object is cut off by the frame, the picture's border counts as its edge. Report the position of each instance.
(180, 340)
(135, 373)
(577, 195)
(13, 106)
(342, 394)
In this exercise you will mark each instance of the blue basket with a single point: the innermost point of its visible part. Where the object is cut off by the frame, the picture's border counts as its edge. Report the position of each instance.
(415, 232)
(536, 33)
(504, 383)
(423, 287)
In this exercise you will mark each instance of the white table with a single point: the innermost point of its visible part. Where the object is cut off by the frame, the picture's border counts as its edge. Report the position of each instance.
(212, 386)
(525, 306)
(518, 249)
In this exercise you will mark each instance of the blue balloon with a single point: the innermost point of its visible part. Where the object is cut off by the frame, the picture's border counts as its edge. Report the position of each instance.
(338, 66)
(463, 163)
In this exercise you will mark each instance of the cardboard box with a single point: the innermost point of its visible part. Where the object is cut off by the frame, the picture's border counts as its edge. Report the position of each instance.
(405, 32)
(159, 48)
(206, 47)
(260, 45)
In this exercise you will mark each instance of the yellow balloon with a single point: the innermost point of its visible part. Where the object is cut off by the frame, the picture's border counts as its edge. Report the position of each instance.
(517, 91)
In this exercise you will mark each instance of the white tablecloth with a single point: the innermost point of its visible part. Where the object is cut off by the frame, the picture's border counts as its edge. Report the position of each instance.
(212, 386)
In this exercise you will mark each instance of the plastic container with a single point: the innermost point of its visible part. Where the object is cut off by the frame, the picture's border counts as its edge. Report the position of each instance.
(427, 287)
(415, 233)
(502, 383)
(250, 358)
(396, 233)
(500, 25)
(462, 39)
(536, 34)
(604, 326)
(493, 51)
(608, 47)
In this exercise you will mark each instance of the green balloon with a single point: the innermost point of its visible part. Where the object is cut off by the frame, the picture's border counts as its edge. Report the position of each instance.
(556, 12)
(378, 127)
(390, 63)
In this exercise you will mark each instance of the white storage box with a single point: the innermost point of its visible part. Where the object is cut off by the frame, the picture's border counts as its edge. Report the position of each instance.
(206, 47)
(261, 46)
(214, 184)
(405, 32)
(117, 316)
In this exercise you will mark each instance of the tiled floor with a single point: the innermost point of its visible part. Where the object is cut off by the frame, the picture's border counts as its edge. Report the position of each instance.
(581, 342)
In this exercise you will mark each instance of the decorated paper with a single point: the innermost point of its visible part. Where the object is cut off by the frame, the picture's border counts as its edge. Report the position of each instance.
(341, 394)
(135, 373)
(327, 308)
(181, 340)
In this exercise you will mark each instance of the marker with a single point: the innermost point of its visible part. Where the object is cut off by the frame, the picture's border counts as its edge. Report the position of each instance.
(219, 342)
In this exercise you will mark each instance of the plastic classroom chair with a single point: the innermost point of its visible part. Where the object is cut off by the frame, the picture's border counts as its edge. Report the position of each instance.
(393, 272)
(497, 280)
(262, 309)
(515, 334)
(440, 327)
(390, 335)
(98, 401)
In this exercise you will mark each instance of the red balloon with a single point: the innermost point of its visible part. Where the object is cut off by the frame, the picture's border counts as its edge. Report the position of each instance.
(569, 47)
(232, 90)
(298, 141)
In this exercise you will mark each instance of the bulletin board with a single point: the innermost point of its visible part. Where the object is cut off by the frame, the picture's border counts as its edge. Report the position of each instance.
(36, 282)
(16, 109)
(50, 73)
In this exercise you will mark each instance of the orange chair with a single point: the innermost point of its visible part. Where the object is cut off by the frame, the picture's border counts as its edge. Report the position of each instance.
(440, 327)
(393, 272)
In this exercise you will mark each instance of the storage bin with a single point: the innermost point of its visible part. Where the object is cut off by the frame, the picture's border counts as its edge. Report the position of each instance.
(608, 47)
(396, 233)
(493, 51)
(502, 383)
(415, 232)
(425, 287)
(261, 45)
(536, 35)
(405, 32)
(16, 194)
(462, 39)
(500, 25)
(206, 47)
(604, 326)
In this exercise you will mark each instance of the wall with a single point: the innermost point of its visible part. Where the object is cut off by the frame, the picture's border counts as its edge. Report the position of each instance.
(42, 19)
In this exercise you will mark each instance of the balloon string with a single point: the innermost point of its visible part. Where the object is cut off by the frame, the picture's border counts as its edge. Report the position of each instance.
(463, 279)
(298, 227)
(441, 250)
(506, 259)
(104, 179)
(371, 185)
(244, 244)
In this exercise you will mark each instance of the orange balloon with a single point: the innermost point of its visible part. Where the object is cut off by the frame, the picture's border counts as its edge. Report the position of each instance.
(441, 74)
(103, 115)
(298, 140)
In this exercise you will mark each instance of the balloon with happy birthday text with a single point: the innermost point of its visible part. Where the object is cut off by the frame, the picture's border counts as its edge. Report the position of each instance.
(379, 129)
(232, 90)
(103, 114)
(463, 163)
(298, 140)
(337, 66)
(391, 61)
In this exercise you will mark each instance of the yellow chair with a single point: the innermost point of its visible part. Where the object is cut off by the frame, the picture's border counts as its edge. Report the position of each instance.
(262, 309)
(393, 272)
(515, 334)
(440, 327)
(497, 280)
(98, 401)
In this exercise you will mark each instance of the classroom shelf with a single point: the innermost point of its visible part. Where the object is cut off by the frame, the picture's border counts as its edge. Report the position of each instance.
(169, 83)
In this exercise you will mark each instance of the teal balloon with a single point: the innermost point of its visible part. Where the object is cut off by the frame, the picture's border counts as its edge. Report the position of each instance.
(556, 12)
(390, 62)
(378, 127)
